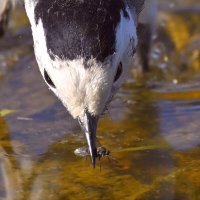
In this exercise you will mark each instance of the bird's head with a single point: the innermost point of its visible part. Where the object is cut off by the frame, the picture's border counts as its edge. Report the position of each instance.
(84, 49)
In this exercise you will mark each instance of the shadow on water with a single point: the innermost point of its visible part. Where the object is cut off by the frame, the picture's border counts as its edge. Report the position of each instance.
(152, 127)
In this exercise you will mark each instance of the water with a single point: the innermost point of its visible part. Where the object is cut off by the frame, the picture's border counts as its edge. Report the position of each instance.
(152, 128)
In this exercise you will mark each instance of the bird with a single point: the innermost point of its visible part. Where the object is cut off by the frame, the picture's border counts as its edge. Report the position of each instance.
(84, 50)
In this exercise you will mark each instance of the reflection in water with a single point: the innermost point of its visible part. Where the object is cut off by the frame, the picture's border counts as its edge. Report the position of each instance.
(152, 128)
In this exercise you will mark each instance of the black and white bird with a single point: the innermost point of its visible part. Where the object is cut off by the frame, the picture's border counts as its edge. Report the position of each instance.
(84, 49)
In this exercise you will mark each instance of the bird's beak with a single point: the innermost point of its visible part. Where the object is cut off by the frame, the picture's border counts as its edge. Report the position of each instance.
(88, 124)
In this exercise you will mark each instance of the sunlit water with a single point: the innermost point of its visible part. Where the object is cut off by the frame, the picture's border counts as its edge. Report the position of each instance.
(152, 127)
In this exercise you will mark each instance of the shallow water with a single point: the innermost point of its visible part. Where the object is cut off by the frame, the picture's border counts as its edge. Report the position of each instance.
(152, 128)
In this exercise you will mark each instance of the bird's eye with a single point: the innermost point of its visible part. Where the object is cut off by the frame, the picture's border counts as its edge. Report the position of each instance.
(48, 79)
(119, 72)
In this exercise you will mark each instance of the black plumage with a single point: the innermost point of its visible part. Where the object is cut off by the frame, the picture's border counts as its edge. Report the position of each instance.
(80, 28)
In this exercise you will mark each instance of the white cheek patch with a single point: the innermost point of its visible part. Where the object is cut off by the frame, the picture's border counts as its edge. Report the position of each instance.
(126, 42)
(40, 47)
(30, 6)
(39, 38)
(126, 37)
